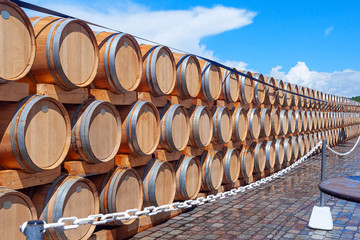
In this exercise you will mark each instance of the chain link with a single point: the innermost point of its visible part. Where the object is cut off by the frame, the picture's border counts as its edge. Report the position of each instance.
(67, 223)
(344, 154)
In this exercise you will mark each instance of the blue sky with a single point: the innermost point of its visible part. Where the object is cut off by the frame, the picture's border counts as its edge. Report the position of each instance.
(311, 43)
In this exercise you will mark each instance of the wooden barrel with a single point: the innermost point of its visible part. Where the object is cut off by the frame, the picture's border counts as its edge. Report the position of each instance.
(222, 125)
(67, 196)
(284, 122)
(321, 102)
(312, 95)
(270, 151)
(259, 157)
(275, 122)
(247, 162)
(317, 97)
(201, 126)
(270, 96)
(315, 120)
(246, 88)
(159, 183)
(291, 121)
(304, 120)
(67, 53)
(175, 128)
(287, 95)
(230, 86)
(210, 81)
(312, 141)
(265, 122)
(188, 76)
(159, 70)
(212, 170)
(307, 143)
(280, 97)
(17, 44)
(121, 190)
(35, 134)
(90, 140)
(232, 164)
(188, 178)
(294, 148)
(335, 136)
(301, 142)
(259, 89)
(298, 121)
(307, 94)
(287, 150)
(239, 124)
(316, 141)
(140, 128)
(320, 116)
(310, 121)
(279, 152)
(253, 116)
(16, 208)
(295, 97)
(301, 99)
(120, 65)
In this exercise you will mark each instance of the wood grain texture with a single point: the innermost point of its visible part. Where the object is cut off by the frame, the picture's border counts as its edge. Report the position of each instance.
(188, 76)
(90, 140)
(230, 86)
(159, 183)
(239, 123)
(69, 57)
(120, 65)
(17, 179)
(16, 208)
(116, 99)
(75, 96)
(246, 88)
(17, 45)
(140, 128)
(61, 199)
(121, 190)
(232, 165)
(210, 81)
(201, 126)
(35, 134)
(222, 125)
(188, 178)
(175, 127)
(212, 170)
(83, 169)
(159, 70)
(14, 92)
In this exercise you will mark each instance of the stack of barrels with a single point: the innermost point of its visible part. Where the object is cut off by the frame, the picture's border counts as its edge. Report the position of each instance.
(226, 126)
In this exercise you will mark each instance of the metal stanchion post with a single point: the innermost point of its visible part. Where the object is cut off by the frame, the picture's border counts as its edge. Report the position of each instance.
(34, 230)
(321, 216)
(322, 178)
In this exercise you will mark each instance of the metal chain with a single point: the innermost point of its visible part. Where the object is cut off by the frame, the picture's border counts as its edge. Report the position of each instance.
(67, 223)
(344, 154)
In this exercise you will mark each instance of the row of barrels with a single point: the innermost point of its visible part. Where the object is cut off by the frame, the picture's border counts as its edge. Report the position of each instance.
(156, 184)
(66, 52)
(39, 132)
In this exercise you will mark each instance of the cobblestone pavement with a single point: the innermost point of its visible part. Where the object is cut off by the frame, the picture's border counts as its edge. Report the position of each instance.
(278, 210)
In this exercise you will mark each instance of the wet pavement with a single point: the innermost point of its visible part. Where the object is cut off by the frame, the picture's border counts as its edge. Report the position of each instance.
(277, 210)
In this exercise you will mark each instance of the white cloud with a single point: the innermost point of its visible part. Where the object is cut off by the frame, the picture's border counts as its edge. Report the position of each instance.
(328, 30)
(182, 29)
(236, 64)
(344, 83)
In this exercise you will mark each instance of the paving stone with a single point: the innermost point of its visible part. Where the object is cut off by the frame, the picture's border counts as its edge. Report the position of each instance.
(278, 210)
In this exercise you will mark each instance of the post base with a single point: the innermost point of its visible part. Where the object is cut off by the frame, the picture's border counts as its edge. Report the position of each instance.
(321, 218)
